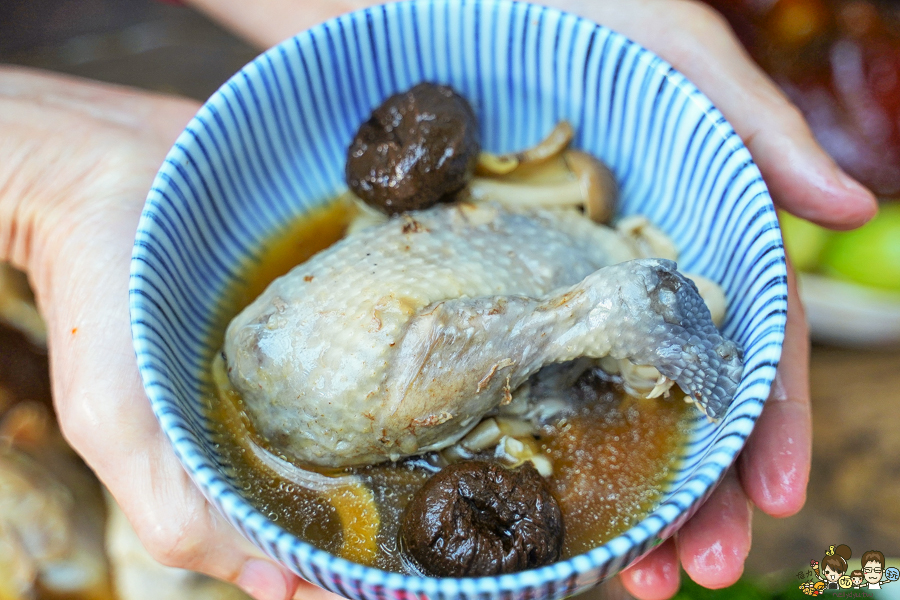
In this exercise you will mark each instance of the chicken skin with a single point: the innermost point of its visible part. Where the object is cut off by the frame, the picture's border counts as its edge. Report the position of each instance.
(400, 338)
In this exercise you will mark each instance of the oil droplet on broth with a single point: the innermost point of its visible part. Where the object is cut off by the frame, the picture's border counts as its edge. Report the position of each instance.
(610, 459)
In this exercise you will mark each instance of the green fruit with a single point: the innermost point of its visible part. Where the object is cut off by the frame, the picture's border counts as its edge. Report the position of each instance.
(803, 241)
(869, 255)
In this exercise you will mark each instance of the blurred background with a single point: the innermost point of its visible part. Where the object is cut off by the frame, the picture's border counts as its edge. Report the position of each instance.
(839, 60)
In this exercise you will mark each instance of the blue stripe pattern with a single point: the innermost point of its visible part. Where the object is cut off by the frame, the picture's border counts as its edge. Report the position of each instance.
(269, 147)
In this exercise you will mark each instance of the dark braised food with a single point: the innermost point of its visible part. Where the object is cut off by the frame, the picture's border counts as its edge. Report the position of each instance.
(477, 518)
(416, 148)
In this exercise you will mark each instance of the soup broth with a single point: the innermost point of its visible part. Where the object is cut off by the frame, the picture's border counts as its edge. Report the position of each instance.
(612, 454)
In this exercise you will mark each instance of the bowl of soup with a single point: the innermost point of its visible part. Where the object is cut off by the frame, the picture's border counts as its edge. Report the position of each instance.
(255, 188)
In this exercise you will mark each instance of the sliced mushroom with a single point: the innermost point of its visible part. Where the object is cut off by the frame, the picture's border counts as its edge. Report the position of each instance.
(485, 435)
(512, 440)
(649, 240)
(547, 175)
(521, 194)
(515, 451)
(589, 185)
(555, 142)
(598, 185)
(496, 164)
(553, 145)
(516, 427)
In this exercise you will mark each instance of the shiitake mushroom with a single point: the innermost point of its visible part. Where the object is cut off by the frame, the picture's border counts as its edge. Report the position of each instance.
(416, 149)
(478, 518)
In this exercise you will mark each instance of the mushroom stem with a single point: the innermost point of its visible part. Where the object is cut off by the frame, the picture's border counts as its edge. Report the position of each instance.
(532, 178)
(502, 164)
(496, 164)
(555, 142)
(564, 193)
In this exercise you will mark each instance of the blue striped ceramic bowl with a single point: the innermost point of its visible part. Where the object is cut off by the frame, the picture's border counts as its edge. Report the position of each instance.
(269, 146)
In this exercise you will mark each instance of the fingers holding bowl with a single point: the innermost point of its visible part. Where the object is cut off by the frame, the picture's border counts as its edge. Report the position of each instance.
(801, 176)
(712, 547)
(652, 579)
(772, 472)
(105, 416)
(714, 544)
(130, 456)
(774, 465)
(180, 529)
(80, 157)
(656, 576)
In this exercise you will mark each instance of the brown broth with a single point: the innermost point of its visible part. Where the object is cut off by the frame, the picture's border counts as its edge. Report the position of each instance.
(610, 462)
(611, 457)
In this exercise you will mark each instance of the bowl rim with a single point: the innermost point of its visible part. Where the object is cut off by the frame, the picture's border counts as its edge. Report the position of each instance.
(653, 528)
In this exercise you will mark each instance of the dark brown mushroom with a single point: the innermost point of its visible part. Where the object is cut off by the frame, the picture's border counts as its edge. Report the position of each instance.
(478, 518)
(416, 149)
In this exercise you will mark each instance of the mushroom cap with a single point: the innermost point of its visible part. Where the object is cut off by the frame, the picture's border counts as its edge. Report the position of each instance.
(478, 518)
(598, 185)
(417, 148)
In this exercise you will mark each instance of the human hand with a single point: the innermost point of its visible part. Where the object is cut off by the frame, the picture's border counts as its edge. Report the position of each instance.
(76, 161)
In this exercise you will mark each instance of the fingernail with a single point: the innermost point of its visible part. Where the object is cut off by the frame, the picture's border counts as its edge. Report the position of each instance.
(864, 205)
(850, 184)
(262, 580)
(778, 391)
(858, 189)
